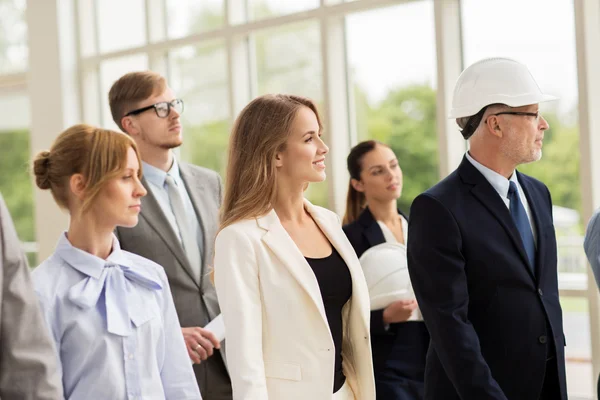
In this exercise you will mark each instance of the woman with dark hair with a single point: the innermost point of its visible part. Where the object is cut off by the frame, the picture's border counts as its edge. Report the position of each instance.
(291, 289)
(399, 338)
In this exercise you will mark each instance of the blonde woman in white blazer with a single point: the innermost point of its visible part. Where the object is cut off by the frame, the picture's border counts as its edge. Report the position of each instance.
(288, 281)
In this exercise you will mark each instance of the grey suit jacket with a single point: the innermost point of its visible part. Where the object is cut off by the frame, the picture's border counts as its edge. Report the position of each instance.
(28, 360)
(196, 302)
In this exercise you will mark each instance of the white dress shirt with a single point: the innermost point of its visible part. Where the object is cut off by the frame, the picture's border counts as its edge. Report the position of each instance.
(115, 326)
(501, 185)
(389, 237)
(156, 178)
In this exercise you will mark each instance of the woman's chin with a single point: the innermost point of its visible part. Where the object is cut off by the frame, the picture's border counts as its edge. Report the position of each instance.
(129, 222)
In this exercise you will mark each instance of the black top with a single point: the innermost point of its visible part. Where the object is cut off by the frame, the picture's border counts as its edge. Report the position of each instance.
(335, 283)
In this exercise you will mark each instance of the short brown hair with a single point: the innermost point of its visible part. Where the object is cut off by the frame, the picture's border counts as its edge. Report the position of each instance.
(260, 132)
(98, 154)
(132, 88)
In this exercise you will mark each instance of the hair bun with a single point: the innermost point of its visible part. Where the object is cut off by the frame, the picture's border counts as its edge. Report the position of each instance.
(41, 168)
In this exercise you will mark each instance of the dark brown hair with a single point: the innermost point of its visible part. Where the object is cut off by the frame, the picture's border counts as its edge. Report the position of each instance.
(355, 200)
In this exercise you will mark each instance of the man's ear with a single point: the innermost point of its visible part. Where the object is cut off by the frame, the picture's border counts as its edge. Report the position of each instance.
(130, 126)
(357, 185)
(493, 126)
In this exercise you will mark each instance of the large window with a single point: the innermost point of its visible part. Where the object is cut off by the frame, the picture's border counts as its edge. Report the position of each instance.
(123, 24)
(288, 60)
(393, 88)
(185, 17)
(15, 180)
(550, 55)
(110, 71)
(13, 36)
(199, 76)
(259, 9)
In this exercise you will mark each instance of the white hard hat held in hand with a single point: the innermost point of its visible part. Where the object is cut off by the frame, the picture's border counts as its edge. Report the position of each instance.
(495, 81)
(386, 272)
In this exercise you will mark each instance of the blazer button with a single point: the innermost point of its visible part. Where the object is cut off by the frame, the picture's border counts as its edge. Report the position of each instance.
(543, 339)
(540, 292)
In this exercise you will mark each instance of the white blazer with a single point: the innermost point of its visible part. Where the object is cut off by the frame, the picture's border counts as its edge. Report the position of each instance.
(279, 346)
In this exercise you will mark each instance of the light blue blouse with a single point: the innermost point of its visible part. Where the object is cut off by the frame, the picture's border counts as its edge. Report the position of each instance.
(115, 326)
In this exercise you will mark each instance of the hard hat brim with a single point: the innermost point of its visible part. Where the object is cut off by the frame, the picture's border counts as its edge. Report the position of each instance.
(511, 101)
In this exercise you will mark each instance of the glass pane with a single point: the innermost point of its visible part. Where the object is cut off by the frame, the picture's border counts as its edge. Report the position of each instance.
(15, 181)
(13, 36)
(199, 77)
(112, 70)
(577, 331)
(187, 17)
(393, 86)
(121, 24)
(288, 60)
(559, 166)
(259, 9)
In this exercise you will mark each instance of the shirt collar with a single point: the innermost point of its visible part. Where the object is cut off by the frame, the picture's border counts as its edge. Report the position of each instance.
(87, 263)
(498, 182)
(116, 277)
(157, 176)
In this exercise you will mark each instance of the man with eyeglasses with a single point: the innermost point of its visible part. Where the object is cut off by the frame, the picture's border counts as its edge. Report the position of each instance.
(178, 219)
(482, 250)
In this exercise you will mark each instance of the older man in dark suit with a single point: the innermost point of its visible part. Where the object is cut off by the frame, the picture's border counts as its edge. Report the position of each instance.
(29, 367)
(482, 250)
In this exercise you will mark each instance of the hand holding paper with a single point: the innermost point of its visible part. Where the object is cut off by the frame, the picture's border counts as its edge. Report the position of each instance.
(217, 327)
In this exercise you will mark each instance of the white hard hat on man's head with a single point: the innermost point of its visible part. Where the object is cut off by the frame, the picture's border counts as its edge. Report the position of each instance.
(495, 81)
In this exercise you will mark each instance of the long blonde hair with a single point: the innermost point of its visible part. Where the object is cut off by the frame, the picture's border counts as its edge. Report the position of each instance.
(260, 132)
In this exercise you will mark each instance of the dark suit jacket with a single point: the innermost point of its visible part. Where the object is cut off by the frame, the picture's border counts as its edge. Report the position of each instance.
(196, 302)
(363, 234)
(493, 322)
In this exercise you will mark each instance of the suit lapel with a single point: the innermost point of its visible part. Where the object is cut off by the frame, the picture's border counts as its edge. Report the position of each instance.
(541, 237)
(372, 231)
(282, 245)
(284, 248)
(489, 198)
(154, 215)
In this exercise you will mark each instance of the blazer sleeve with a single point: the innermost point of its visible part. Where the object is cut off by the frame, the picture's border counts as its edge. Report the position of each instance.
(238, 290)
(437, 271)
(591, 244)
(28, 360)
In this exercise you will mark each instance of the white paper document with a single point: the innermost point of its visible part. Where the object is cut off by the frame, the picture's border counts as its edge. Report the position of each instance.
(217, 327)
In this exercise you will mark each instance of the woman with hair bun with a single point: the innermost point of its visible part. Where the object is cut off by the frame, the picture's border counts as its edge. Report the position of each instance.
(110, 311)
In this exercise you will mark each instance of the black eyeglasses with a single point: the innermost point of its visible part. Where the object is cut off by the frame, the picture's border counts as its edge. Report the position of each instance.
(526, 114)
(162, 109)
